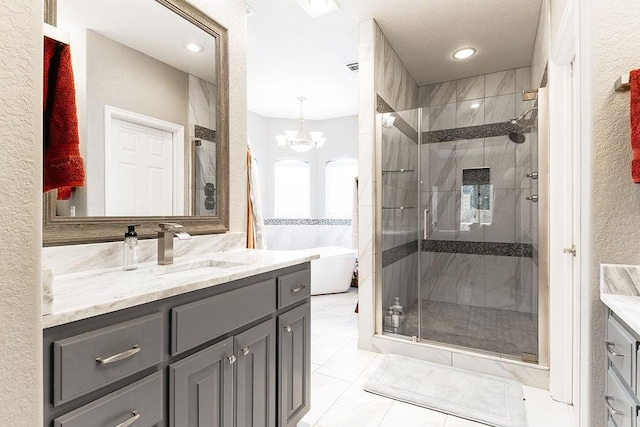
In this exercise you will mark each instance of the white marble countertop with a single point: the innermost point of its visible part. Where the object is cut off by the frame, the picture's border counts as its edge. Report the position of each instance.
(86, 294)
(620, 291)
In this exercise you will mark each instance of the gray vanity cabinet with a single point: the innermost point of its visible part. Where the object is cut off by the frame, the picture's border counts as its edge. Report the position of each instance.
(201, 388)
(256, 376)
(294, 364)
(235, 354)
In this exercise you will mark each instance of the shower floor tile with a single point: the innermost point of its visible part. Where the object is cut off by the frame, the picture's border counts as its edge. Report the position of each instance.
(489, 329)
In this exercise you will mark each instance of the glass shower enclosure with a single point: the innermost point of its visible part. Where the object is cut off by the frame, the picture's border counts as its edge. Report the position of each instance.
(458, 226)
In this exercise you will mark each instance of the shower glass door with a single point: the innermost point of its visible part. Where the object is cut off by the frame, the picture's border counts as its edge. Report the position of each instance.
(459, 231)
(398, 133)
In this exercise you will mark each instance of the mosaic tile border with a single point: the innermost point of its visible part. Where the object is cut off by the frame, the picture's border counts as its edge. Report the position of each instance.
(454, 134)
(393, 255)
(306, 221)
(524, 250)
(399, 123)
(471, 132)
(201, 132)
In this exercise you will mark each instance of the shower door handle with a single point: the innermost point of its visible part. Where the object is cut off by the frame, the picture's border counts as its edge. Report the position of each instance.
(425, 224)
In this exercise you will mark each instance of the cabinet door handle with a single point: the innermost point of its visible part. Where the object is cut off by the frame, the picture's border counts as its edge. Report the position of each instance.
(612, 410)
(131, 420)
(612, 352)
(245, 351)
(288, 328)
(298, 289)
(232, 359)
(120, 356)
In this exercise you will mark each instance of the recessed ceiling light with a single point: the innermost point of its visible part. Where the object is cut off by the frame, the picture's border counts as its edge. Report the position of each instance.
(317, 8)
(464, 53)
(193, 47)
(475, 105)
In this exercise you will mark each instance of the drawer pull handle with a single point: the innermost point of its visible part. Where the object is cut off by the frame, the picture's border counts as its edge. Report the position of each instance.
(131, 420)
(611, 351)
(612, 410)
(120, 356)
(232, 359)
(245, 351)
(298, 289)
(288, 328)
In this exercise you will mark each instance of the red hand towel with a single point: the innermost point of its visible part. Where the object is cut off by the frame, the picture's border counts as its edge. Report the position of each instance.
(634, 80)
(63, 166)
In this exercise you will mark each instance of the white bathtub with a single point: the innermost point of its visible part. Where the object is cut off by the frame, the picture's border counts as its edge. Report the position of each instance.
(332, 272)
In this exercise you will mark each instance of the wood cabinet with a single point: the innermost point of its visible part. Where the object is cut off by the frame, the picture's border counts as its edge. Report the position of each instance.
(621, 397)
(201, 388)
(236, 354)
(256, 376)
(294, 364)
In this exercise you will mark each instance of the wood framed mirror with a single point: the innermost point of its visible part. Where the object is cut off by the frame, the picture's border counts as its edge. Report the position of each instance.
(174, 138)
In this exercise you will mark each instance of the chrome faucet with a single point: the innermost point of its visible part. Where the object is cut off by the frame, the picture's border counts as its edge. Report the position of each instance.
(165, 241)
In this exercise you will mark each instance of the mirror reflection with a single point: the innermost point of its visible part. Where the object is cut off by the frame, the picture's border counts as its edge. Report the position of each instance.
(145, 88)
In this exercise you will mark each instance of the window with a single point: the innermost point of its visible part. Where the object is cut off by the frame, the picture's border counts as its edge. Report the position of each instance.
(292, 189)
(339, 181)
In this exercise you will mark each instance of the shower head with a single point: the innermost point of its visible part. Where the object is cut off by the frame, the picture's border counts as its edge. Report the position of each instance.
(522, 116)
(517, 137)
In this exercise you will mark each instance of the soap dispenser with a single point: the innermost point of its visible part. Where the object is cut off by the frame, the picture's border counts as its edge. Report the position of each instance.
(397, 308)
(398, 313)
(388, 321)
(130, 250)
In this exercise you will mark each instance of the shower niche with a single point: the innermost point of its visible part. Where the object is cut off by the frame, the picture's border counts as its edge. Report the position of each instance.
(459, 223)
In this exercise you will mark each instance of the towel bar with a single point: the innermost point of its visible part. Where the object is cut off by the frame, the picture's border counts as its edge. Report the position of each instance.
(622, 84)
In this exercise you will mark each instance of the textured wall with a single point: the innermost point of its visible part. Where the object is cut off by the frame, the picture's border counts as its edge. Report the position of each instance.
(232, 15)
(616, 200)
(20, 219)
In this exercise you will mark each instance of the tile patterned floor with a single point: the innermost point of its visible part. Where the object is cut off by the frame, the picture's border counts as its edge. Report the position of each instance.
(340, 370)
(490, 329)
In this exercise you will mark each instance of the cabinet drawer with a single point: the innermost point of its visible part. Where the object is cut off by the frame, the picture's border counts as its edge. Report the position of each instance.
(293, 287)
(201, 321)
(618, 402)
(89, 361)
(621, 348)
(142, 400)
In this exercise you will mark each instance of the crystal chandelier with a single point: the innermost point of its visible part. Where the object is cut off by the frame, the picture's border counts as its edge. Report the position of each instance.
(299, 141)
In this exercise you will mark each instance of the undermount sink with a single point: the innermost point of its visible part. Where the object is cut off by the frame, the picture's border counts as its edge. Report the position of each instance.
(197, 265)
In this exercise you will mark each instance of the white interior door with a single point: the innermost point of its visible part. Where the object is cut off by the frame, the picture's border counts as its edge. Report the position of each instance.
(139, 170)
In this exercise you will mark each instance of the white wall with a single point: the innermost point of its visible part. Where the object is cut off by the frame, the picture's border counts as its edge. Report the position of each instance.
(542, 45)
(342, 141)
(20, 212)
(611, 38)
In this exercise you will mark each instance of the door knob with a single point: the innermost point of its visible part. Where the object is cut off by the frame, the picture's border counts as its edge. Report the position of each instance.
(232, 359)
(571, 250)
(533, 198)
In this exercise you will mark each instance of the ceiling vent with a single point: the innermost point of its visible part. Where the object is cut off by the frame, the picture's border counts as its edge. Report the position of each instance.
(352, 66)
(250, 10)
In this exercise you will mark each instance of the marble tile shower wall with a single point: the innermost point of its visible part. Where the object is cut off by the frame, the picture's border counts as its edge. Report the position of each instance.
(479, 280)
(400, 226)
(383, 74)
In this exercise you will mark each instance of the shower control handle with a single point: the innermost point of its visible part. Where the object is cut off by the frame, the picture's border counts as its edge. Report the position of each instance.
(425, 224)
(533, 198)
(532, 175)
